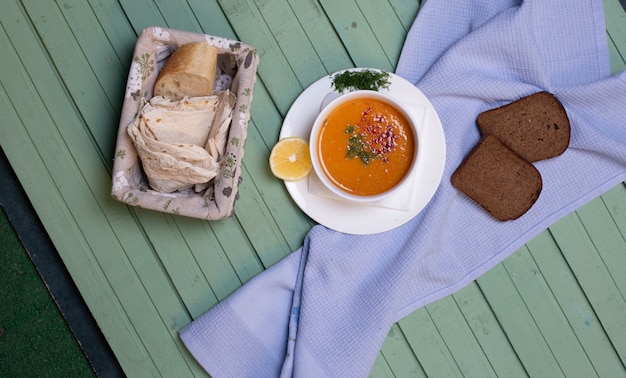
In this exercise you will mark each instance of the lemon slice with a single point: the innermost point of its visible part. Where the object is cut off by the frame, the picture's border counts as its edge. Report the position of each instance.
(290, 159)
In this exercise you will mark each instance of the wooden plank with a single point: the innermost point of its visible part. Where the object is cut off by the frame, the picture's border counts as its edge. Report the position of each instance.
(594, 279)
(358, 37)
(428, 345)
(381, 369)
(615, 202)
(80, 79)
(406, 10)
(292, 223)
(259, 227)
(237, 247)
(547, 314)
(518, 323)
(142, 14)
(211, 18)
(119, 32)
(607, 239)
(178, 15)
(103, 59)
(275, 71)
(399, 356)
(384, 22)
(170, 246)
(615, 57)
(321, 33)
(211, 259)
(615, 18)
(292, 40)
(265, 116)
(459, 338)
(491, 337)
(574, 304)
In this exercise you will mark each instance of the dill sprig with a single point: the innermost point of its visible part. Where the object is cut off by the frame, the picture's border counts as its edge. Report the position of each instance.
(363, 79)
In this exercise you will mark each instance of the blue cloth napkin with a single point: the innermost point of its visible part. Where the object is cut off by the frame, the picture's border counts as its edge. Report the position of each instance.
(326, 309)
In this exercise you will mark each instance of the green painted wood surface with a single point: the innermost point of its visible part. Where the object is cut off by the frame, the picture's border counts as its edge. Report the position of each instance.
(556, 307)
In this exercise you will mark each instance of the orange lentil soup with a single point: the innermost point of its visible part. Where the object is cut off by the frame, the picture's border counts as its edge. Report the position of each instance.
(366, 146)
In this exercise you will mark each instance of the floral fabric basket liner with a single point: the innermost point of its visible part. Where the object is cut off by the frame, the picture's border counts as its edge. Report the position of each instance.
(130, 184)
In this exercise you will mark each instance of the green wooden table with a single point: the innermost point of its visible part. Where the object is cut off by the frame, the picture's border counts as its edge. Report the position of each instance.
(555, 307)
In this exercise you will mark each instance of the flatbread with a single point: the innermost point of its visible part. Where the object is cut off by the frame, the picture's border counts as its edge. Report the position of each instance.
(186, 121)
(216, 142)
(171, 167)
(169, 137)
(181, 142)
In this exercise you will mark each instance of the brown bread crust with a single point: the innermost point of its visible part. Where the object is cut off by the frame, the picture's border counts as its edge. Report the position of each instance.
(498, 179)
(536, 127)
(190, 71)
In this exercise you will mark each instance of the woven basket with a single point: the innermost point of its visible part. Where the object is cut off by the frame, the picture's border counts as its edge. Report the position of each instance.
(129, 184)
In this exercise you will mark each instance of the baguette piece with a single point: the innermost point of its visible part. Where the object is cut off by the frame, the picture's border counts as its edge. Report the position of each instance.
(189, 71)
(536, 127)
(498, 179)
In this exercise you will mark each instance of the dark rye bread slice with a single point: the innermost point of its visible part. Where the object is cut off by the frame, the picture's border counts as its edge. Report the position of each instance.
(498, 179)
(536, 127)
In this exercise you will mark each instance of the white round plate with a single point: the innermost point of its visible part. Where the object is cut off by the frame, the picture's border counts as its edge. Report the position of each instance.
(365, 219)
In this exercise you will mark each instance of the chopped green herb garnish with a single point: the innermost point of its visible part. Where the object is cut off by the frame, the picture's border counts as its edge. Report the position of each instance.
(358, 146)
(364, 80)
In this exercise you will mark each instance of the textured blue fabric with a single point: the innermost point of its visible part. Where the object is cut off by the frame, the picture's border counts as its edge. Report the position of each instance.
(326, 309)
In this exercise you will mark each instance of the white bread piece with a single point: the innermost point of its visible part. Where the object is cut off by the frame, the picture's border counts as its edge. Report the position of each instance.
(190, 71)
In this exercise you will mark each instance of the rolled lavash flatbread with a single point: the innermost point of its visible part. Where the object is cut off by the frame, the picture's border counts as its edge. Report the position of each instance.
(186, 121)
(216, 141)
(218, 134)
(173, 159)
(180, 143)
(189, 72)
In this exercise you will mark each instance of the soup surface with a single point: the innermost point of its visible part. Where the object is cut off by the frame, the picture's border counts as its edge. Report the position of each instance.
(366, 146)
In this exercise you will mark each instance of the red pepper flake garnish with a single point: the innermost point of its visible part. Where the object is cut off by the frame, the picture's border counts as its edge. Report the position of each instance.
(372, 138)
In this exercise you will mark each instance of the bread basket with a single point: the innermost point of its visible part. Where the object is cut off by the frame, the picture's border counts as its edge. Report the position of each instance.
(129, 182)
